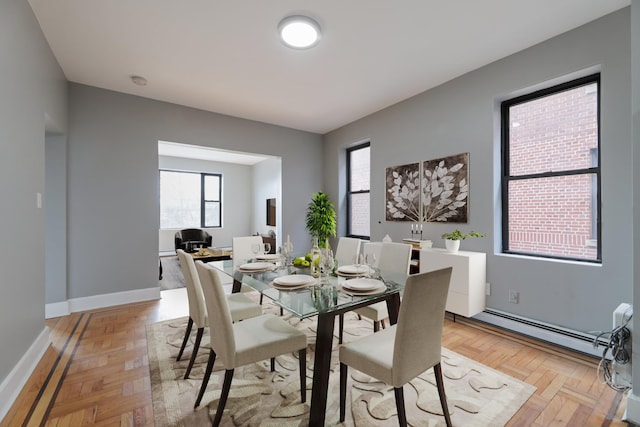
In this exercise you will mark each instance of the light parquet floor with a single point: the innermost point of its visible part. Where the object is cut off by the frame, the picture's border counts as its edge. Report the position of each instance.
(96, 371)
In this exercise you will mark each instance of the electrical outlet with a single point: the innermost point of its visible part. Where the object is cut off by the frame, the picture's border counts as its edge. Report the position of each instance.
(514, 297)
(488, 289)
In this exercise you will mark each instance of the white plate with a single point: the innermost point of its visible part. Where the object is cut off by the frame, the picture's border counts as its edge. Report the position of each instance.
(375, 291)
(353, 269)
(268, 257)
(362, 284)
(256, 266)
(293, 280)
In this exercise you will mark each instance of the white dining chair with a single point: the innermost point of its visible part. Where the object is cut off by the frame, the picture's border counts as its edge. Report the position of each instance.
(241, 248)
(391, 257)
(241, 306)
(250, 341)
(241, 252)
(405, 350)
(347, 250)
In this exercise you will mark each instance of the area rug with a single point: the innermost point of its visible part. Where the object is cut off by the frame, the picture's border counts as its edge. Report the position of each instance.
(477, 395)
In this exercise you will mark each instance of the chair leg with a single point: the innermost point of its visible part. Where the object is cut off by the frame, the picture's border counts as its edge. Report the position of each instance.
(340, 327)
(402, 416)
(261, 296)
(382, 323)
(228, 376)
(437, 370)
(194, 352)
(302, 355)
(343, 391)
(273, 364)
(207, 375)
(186, 337)
(376, 326)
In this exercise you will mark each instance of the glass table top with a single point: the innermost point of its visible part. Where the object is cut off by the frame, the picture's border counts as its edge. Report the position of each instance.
(322, 296)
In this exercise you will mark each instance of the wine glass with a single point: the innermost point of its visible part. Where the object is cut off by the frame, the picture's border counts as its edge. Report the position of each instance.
(287, 252)
(370, 261)
(358, 260)
(327, 263)
(255, 248)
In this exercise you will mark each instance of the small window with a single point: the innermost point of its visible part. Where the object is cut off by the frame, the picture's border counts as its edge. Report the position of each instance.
(358, 200)
(190, 200)
(551, 172)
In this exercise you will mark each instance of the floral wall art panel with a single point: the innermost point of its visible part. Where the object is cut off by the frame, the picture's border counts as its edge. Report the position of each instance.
(445, 189)
(403, 193)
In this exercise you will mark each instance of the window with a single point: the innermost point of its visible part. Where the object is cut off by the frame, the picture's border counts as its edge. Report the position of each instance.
(358, 201)
(551, 172)
(190, 200)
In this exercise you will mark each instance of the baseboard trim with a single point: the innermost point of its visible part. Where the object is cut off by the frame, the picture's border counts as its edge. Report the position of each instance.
(567, 338)
(17, 378)
(56, 309)
(632, 414)
(116, 298)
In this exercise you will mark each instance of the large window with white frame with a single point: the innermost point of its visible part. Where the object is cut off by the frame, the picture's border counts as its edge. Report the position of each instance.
(358, 189)
(551, 174)
(190, 200)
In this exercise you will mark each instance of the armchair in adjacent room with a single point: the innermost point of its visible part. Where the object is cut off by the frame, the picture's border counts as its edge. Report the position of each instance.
(190, 239)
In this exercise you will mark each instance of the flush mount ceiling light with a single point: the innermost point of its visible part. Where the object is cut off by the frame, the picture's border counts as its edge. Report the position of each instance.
(299, 32)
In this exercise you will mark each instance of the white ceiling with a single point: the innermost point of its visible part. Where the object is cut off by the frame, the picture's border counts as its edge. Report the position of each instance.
(225, 56)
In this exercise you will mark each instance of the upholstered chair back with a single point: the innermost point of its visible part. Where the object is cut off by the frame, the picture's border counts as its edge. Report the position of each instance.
(197, 308)
(241, 247)
(220, 324)
(346, 251)
(418, 338)
(395, 257)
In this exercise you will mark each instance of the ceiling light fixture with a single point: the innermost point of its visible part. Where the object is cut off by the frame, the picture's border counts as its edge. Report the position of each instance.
(138, 80)
(299, 32)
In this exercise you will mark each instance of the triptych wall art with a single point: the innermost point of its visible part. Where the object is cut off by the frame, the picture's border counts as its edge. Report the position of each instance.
(430, 191)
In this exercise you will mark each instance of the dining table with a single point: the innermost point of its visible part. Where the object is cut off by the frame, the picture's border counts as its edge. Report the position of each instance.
(325, 297)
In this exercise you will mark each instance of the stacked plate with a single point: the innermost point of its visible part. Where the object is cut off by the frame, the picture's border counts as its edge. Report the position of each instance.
(353, 270)
(363, 286)
(293, 281)
(269, 257)
(256, 267)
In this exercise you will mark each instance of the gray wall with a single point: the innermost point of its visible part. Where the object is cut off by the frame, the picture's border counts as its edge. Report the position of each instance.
(56, 218)
(463, 116)
(113, 180)
(267, 184)
(33, 101)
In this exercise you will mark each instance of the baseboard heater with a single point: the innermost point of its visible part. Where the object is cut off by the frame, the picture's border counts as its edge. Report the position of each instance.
(568, 338)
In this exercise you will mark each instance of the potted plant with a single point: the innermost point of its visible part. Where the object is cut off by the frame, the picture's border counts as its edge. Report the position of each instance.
(452, 240)
(320, 220)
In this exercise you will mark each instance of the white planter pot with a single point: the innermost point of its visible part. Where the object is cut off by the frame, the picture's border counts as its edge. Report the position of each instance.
(452, 245)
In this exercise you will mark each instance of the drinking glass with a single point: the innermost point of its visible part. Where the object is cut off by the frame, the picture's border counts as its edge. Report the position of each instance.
(266, 248)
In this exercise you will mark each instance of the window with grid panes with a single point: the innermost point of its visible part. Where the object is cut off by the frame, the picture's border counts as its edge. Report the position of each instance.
(551, 172)
(358, 200)
(190, 200)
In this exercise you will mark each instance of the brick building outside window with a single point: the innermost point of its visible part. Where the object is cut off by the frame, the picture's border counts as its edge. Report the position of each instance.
(551, 172)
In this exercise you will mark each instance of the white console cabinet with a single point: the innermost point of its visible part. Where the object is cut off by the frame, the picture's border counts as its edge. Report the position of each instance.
(468, 278)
